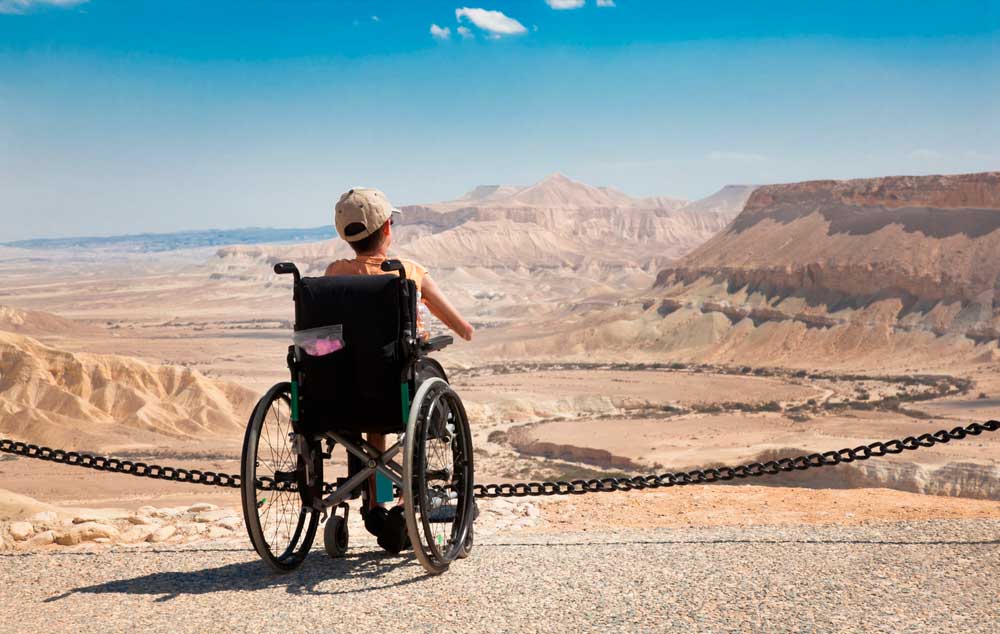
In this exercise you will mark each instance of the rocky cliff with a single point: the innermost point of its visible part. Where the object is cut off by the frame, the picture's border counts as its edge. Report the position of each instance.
(830, 272)
(898, 252)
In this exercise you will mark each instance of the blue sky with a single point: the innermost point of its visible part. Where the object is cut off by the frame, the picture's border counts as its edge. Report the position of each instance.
(118, 116)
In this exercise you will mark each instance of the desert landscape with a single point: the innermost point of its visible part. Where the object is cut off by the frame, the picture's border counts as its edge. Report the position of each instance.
(614, 335)
(724, 280)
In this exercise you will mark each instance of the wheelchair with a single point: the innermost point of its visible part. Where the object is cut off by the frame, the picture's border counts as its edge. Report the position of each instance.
(357, 366)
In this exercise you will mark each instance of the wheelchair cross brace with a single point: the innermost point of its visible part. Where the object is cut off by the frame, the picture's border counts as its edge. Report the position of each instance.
(373, 462)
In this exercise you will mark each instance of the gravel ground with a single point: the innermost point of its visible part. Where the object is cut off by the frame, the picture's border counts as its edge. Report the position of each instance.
(933, 576)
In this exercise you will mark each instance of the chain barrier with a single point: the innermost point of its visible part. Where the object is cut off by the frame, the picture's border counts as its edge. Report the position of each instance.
(725, 474)
(114, 465)
(525, 489)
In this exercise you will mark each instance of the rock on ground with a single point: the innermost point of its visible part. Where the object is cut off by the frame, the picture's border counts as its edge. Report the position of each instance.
(21, 531)
(201, 507)
(90, 531)
(138, 533)
(42, 539)
(162, 534)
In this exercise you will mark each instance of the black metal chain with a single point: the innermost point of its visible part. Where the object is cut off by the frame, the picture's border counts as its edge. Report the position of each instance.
(524, 489)
(114, 465)
(724, 474)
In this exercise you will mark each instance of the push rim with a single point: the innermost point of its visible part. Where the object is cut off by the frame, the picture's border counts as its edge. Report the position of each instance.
(438, 473)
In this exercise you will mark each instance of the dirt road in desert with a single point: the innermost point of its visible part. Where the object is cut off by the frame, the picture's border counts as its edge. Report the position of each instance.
(932, 576)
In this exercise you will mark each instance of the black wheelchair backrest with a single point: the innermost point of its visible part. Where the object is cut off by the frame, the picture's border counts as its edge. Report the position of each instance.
(356, 388)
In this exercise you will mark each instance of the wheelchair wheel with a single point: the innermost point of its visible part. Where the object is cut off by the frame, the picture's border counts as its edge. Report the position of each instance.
(335, 536)
(438, 476)
(281, 526)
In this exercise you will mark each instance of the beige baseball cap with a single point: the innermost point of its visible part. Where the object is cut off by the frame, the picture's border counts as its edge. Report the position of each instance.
(361, 212)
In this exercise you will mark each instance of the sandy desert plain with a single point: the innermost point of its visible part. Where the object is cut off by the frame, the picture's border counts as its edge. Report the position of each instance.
(614, 335)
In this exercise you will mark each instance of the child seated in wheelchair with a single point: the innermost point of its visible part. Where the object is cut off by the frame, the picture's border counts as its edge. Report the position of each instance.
(364, 219)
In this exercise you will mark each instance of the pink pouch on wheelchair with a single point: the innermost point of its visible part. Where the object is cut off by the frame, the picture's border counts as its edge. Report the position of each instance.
(319, 342)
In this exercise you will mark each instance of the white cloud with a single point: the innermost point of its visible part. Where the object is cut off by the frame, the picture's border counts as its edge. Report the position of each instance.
(606, 3)
(464, 31)
(23, 6)
(375, 18)
(493, 21)
(440, 33)
(565, 4)
(742, 157)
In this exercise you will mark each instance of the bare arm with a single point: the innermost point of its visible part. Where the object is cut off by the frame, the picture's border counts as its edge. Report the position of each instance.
(441, 308)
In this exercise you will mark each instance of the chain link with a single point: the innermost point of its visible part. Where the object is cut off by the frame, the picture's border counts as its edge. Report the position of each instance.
(525, 489)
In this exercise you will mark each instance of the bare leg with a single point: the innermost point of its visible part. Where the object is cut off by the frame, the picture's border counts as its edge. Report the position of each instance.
(378, 442)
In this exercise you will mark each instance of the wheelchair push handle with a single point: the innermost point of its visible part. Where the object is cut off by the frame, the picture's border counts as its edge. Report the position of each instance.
(284, 268)
(394, 265)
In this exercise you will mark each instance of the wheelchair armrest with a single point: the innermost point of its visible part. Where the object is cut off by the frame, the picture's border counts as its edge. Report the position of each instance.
(436, 343)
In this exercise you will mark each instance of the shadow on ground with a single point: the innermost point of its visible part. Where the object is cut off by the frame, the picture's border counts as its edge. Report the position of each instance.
(317, 570)
(251, 576)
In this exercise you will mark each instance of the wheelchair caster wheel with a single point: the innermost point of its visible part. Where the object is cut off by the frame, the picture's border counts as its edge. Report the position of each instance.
(335, 537)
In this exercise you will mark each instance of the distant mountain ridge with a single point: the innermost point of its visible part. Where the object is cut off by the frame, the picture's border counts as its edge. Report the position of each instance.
(505, 234)
(532, 203)
(555, 191)
(160, 242)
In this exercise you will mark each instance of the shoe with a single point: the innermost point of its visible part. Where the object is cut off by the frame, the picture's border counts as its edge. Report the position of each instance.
(375, 519)
(442, 514)
(394, 538)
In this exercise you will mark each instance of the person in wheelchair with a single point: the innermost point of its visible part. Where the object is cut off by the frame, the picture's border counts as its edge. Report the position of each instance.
(358, 366)
(364, 219)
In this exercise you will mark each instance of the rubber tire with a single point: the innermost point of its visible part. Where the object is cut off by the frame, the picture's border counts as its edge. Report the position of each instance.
(286, 561)
(428, 368)
(467, 550)
(336, 537)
